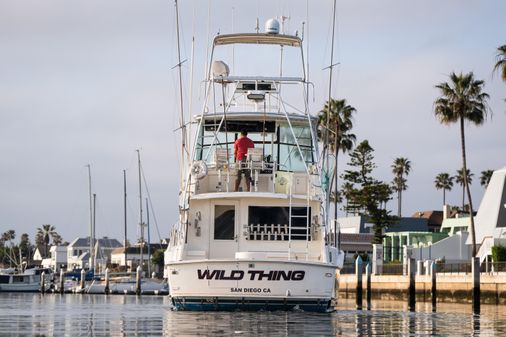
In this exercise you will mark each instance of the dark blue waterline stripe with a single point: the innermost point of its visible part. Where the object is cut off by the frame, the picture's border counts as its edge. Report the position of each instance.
(225, 304)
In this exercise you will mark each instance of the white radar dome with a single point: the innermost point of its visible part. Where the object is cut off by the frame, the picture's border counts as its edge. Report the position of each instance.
(272, 26)
(220, 69)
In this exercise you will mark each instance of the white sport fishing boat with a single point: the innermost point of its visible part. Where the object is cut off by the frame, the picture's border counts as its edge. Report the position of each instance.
(266, 246)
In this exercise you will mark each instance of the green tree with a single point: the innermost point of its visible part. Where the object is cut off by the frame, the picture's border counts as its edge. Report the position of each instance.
(485, 177)
(400, 168)
(460, 179)
(444, 182)
(498, 254)
(366, 195)
(335, 124)
(462, 99)
(361, 158)
(157, 257)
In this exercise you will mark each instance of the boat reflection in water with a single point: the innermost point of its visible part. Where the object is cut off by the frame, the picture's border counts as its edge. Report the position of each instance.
(75, 315)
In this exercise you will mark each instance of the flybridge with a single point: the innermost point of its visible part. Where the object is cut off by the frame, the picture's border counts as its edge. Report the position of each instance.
(254, 275)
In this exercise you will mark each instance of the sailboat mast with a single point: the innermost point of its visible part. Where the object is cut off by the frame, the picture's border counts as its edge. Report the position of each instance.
(149, 238)
(125, 217)
(93, 255)
(91, 216)
(141, 225)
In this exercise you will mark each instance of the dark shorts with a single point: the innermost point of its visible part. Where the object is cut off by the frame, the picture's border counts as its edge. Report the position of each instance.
(242, 170)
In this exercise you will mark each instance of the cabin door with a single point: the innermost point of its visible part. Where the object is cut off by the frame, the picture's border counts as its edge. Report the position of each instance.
(224, 229)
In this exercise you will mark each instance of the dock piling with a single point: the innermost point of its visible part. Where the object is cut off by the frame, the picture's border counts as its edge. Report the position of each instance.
(475, 268)
(42, 282)
(368, 285)
(138, 280)
(433, 290)
(106, 289)
(62, 281)
(359, 269)
(411, 290)
(83, 279)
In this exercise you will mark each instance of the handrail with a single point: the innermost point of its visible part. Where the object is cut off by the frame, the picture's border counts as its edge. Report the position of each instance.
(278, 79)
(485, 245)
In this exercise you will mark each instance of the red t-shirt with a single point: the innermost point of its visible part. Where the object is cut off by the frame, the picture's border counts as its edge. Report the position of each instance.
(241, 147)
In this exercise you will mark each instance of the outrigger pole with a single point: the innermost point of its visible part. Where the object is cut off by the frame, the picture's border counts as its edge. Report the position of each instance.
(326, 147)
(184, 150)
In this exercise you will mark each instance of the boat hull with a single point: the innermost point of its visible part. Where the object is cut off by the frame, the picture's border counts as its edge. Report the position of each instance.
(251, 285)
(24, 288)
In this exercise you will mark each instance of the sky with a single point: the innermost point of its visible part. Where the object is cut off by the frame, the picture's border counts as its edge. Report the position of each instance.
(91, 82)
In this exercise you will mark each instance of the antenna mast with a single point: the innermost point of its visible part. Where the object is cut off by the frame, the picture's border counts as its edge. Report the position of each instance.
(190, 100)
(336, 235)
(184, 150)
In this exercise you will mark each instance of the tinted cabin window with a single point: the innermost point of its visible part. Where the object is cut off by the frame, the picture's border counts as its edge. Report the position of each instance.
(271, 223)
(224, 222)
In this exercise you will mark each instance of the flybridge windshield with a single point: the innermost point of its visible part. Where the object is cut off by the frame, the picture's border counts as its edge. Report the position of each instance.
(277, 142)
(261, 60)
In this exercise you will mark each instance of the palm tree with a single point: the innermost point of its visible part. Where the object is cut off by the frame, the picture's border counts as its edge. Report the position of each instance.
(9, 236)
(336, 122)
(57, 239)
(400, 168)
(346, 191)
(485, 177)
(460, 179)
(500, 65)
(43, 236)
(444, 182)
(462, 100)
(24, 247)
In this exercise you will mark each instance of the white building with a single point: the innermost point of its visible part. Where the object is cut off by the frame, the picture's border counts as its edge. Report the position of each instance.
(489, 224)
(58, 257)
(490, 221)
(133, 255)
(78, 252)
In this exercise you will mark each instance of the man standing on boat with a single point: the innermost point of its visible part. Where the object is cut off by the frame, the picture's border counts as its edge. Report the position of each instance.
(241, 146)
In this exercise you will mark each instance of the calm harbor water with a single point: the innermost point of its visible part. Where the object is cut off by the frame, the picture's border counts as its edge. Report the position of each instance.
(99, 315)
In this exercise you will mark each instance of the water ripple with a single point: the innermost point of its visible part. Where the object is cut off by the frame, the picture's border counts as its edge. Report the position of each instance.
(99, 315)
